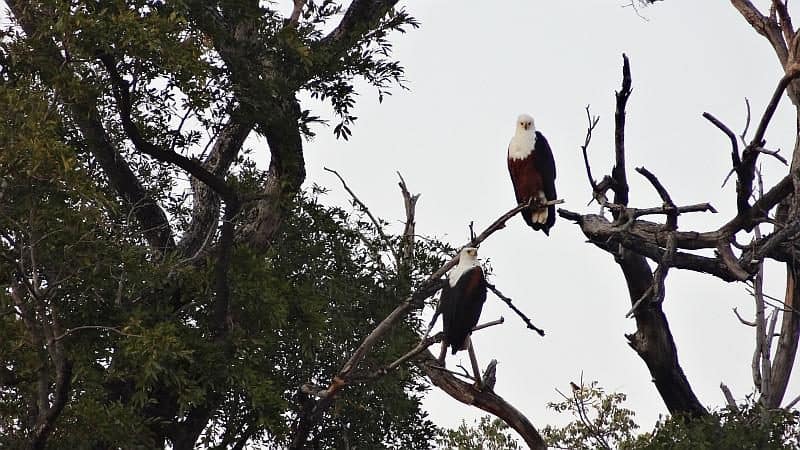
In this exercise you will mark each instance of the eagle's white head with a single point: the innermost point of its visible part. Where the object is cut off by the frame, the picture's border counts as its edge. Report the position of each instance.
(467, 259)
(524, 138)
(468, 255)
(525, 124)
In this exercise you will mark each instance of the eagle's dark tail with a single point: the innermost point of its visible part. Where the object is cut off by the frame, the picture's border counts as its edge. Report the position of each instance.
(545, 227)
(455, 349)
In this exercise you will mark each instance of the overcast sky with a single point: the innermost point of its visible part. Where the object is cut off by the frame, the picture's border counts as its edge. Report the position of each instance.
(472, 68)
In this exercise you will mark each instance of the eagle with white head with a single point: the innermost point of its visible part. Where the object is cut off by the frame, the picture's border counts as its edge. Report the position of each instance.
(462, 301)
(533, 174)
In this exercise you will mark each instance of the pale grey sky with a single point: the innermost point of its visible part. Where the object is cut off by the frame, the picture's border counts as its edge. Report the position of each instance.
(472, 68)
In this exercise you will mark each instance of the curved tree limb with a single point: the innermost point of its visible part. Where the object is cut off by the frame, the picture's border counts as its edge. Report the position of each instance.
(485, 400)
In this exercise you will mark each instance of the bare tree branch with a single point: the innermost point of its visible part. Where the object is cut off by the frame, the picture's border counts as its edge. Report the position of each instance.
(375, 222)
(511, 305)
(764, 26)
(669, 205)
(297, 10)
(593, 121)
(729, 400)
(618, 174)
(485, 400)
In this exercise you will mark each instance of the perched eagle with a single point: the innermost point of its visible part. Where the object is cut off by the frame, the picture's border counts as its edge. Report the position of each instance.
(533, 172)
(462, 300)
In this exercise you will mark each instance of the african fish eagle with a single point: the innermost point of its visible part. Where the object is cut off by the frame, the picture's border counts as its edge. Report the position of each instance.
(533, 173)
(461, 302)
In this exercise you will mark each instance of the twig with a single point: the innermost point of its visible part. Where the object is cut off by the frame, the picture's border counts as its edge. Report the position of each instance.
(747, 119)
(593, 120)
(638, 302)
(635, 213)
(452, 372)
(791, 404)
(735, 159)
(728, 396)
(727, 257)
(773, 153)
(663, 269)
(511, 305)
(427, 342)
(698, 207)
(498, 224)
(781, 306)
(791, 73)
(669, 205)
(499, 321)
(734, 143)
(657, 289)
(742, 320)
(760, 364)
(746, 171)
(94, 327)
(366, 210)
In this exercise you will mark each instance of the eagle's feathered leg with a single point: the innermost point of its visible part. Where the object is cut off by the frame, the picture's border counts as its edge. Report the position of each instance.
(475, 368)
(443, 353)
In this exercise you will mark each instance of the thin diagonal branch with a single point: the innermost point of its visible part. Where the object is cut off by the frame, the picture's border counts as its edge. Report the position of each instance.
(513, 307)
(669, 205)
(365, 209)
(593, 121)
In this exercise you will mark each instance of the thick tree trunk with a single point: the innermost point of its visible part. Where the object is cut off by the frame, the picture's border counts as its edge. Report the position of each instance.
(653, 340)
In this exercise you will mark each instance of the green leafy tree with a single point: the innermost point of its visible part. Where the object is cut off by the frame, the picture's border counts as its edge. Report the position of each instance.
(601, 421)
(744, 427)
(487, 433)
(156, 288)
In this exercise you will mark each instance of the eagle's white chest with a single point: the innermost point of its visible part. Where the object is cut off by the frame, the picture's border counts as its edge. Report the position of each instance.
(521, 145)
(459, 270)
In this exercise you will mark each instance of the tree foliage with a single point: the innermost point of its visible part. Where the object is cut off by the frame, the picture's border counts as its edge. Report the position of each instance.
(747, 427)
(601, 421)
(156, 286)
(486, 433)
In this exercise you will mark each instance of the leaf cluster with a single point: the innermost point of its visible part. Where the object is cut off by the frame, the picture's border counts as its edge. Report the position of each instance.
(601, 422)
(487, 433)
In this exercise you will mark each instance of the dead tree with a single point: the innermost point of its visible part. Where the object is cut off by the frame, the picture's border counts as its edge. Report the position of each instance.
(633, 241)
